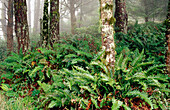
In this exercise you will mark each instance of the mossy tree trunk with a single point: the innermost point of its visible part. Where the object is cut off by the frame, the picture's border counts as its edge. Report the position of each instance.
(107, 32)
(168, 39)
(21, 25)
(54, 21)
(45, 30)
(121, 16)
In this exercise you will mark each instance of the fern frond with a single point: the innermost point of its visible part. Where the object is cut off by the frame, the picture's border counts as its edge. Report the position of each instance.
(142, 95)
(101, 65)
(155, 67)
(137, 59)
(98, 56)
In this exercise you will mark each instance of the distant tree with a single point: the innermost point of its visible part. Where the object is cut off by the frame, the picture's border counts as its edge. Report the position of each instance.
(21, 25)
(54, 21)
(79, 6)
(107, 31)
(73, 15)
(150, 10)
(10, 26)
(121, 16)
(3, 18)
(168, 39)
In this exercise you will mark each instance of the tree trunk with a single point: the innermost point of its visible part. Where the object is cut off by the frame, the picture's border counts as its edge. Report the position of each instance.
(45, 25)
(121, 16)
(107, 32)
(21, 25)
(54, 21)
(73, 16)
(10, 26)
(168, 39)
(146, 10)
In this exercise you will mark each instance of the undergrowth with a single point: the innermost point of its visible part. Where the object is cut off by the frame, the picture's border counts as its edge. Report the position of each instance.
(73, 75)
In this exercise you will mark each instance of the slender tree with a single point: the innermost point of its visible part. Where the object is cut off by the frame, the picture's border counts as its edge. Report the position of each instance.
(54, 21)
(121, 16)
(21, 25)
(10, 26)
(73, 16)
(107, 31)
(146, 10)
(168, 39)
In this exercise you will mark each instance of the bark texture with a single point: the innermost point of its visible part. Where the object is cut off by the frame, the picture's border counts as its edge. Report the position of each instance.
(54, 21)
(121, 16)
(107, 31)
(21, 25)
(168, 39)
(10, 26)
(45, 25)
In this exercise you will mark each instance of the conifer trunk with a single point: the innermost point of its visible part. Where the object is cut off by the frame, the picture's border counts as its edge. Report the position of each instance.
(10, 26)
(21, 25)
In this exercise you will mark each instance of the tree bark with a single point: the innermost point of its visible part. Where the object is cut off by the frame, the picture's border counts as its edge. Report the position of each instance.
(107, 32)
(168, 39)
(10, 26)
(121, 16)
(54, 21)
(21, 25)
(45, 25)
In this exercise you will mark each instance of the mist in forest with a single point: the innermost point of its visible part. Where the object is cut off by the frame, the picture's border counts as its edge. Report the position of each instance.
(86, 13)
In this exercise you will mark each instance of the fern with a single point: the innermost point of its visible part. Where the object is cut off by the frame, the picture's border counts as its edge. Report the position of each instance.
(142, 96)
(137, 59)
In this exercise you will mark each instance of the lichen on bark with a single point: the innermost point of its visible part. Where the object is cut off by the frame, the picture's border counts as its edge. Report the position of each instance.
(107, 32)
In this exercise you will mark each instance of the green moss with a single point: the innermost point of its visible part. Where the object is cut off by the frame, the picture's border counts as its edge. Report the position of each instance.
(112, 20)
(108, 6)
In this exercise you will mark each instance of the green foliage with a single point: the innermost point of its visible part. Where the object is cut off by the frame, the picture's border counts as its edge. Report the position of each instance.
(72, 75)
(150, 37)
(2, 50)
